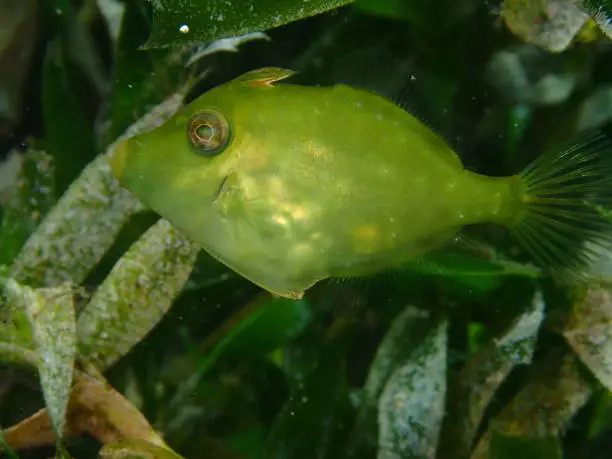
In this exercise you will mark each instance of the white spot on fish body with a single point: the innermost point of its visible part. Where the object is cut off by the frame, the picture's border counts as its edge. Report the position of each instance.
(280, 219)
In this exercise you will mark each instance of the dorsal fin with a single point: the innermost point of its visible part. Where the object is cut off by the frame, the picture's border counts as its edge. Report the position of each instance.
(394, 78)
(266, 76)
(377, 71)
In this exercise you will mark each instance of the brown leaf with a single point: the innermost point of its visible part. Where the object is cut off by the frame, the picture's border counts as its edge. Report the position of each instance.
(95, 408)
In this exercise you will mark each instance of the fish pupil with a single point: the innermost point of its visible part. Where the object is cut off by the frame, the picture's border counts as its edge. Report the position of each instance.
(208, 132)
(205, 132)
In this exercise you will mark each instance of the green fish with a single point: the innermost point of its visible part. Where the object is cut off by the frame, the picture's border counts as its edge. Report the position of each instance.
(289, 184)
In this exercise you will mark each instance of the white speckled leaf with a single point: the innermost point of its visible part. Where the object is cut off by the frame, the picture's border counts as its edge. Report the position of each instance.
(411, 407)
(544, 407)
(589, 332)
(52, 319)
(485, 371)
(136, 294)
(195, 21)
(407, 330)
(550, 24)
(75, 234)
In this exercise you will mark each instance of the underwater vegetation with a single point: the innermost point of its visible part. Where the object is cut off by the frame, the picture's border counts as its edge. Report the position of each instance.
(306, 229)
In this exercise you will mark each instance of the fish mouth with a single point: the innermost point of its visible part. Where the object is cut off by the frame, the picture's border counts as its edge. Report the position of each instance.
(223, 187)
(116, 158)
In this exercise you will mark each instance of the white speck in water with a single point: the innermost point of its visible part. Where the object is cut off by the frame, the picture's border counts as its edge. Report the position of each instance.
(412, 77)
(277, 18)
(379, 116)
(358, 105)
(58, 11)
(220, 17)
(184, 28)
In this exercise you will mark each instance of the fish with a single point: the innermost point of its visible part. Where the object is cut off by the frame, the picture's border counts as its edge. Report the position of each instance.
(290, 184)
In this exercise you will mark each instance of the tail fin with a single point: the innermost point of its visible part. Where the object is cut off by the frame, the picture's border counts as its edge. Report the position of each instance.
(567, 222)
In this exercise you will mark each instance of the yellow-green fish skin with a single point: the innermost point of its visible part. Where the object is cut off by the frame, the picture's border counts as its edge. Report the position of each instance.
(315, 182)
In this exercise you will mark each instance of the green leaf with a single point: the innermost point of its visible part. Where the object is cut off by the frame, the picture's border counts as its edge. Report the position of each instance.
(270, 326)
(69, 136)
(261, 328)
(589, 331)
(191, 21)
(310, 424)
(19, 23)
(52, 318)
(483, 373)
(601, 421)
(76, 233)
(411, 406)
(136, 294)
(419, 14)
(142, 77)
(32, 196)
(508, 447)
(469, 271)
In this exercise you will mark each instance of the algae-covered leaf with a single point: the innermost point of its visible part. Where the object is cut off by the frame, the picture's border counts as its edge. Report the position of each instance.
(551, 24)
(411, 406)
(136, 294)
(75, 234)
(406, 332)
(69, 136)
(195, 21)
(136, 449)
(313, 418)
(508, 447)
(52, 318)
(31, 197)
(589, 331)
(545, 406)
(484, 372)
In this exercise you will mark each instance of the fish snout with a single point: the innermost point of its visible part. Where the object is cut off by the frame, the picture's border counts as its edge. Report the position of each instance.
(117, 156)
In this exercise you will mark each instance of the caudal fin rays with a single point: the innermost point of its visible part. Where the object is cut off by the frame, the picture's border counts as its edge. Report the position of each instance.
(562, 228)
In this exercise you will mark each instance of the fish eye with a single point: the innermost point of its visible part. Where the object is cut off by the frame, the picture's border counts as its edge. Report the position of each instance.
(208, 132)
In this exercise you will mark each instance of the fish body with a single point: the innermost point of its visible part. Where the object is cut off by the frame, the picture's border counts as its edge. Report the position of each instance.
(289, 184)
